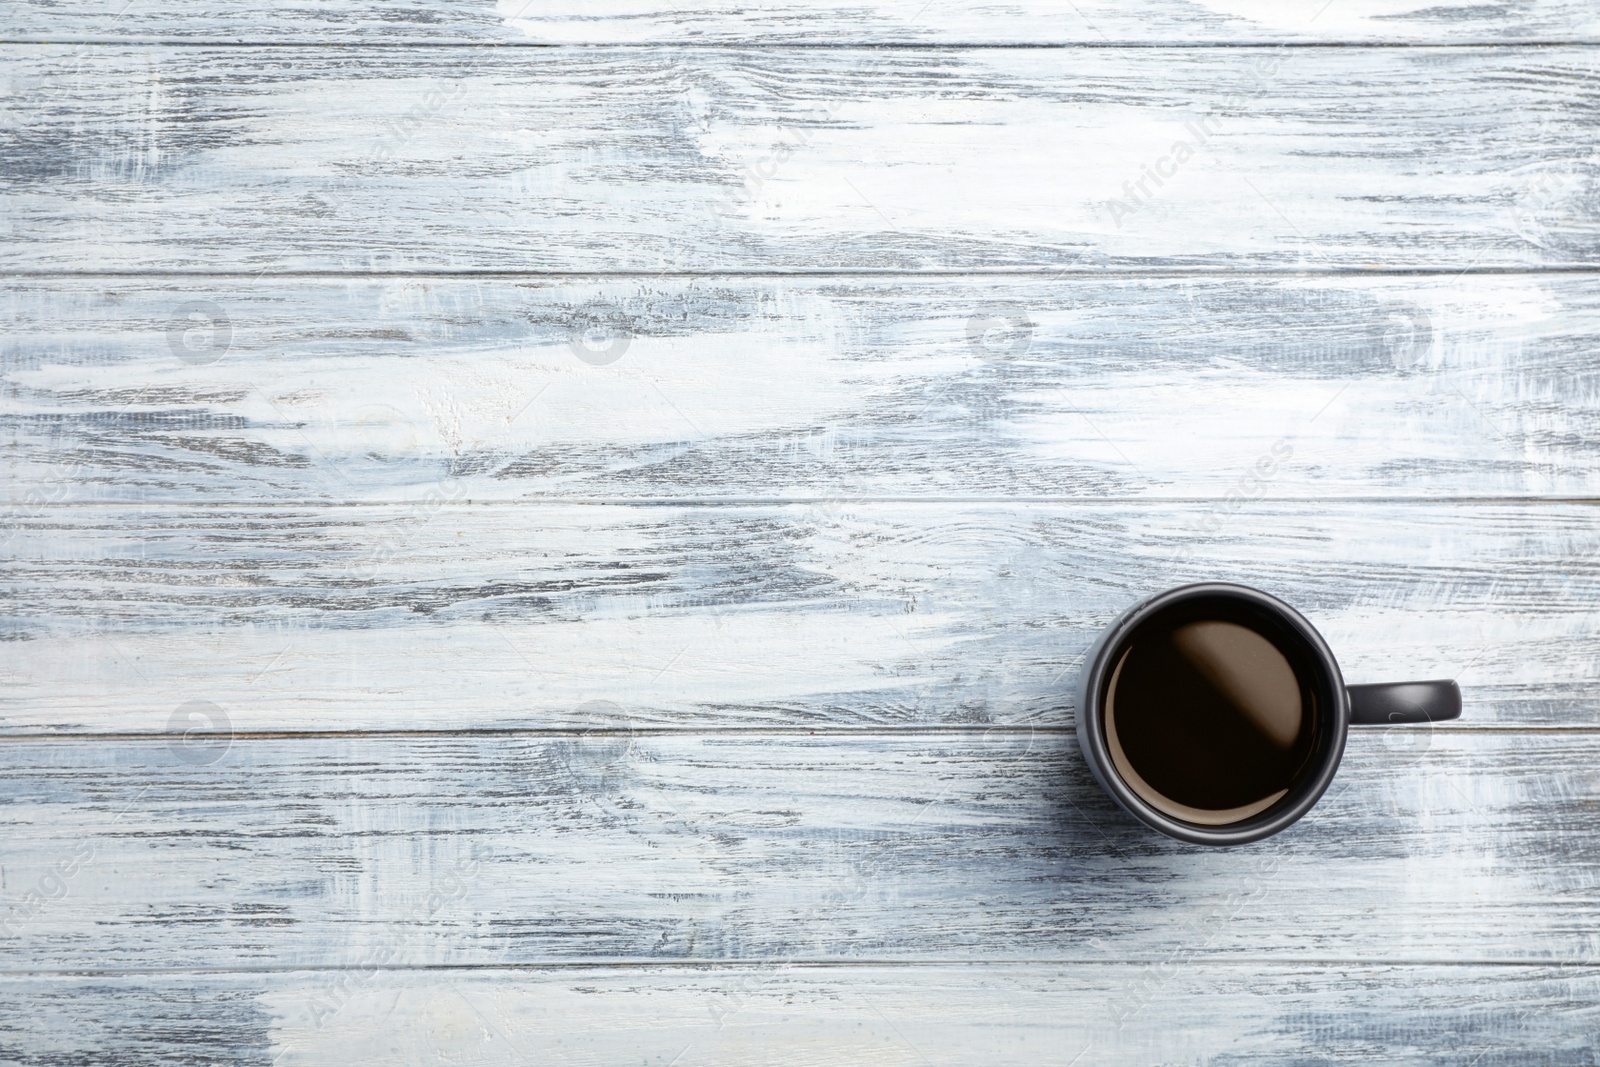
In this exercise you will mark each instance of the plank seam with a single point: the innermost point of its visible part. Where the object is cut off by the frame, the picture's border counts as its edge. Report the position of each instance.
(1045, 272)
(796, 501)
(865, 44)
(645, 964)
(888, 732)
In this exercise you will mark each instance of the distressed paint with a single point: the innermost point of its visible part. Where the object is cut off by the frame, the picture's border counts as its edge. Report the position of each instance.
(799, 160)
(745, 777)
(248, 390)
(842, 613)
(833, 22)
(1444, 846)
(1137, 1014)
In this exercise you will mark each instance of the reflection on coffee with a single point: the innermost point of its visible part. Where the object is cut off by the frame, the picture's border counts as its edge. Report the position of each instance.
(1206, 718)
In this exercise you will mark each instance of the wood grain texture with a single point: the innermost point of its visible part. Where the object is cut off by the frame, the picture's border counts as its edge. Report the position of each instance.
(706, 159)
(804, 615)
(1032, 22)
(250, 390)
(1441, 846)
(580, 554)
(1134, 1015)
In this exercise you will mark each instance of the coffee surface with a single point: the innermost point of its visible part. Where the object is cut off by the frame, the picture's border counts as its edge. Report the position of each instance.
(1206, 719)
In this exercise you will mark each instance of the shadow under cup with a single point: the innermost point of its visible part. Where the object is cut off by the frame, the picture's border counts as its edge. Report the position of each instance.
(1220, 711)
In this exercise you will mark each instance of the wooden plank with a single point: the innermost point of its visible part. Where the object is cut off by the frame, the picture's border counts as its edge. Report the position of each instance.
(1135, 1015)
(451, 616)
(706, 159)
(246, 390)
(1472, 847)
(1032, 22)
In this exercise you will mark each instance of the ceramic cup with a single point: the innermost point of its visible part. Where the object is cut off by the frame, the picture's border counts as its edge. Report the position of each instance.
(1329, 707)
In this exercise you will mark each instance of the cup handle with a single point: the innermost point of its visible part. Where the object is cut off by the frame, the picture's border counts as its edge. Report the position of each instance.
(1394, 702)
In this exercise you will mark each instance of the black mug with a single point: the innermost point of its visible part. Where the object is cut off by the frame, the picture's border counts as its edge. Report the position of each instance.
(1216, 713)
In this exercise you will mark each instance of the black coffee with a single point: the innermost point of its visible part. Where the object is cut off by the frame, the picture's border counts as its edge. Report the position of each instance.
(1209, 713)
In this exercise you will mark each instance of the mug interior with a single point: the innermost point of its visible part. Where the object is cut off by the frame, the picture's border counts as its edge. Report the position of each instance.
(1321, 693)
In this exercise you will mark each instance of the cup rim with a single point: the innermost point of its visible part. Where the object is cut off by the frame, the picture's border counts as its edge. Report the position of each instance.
(1091, 720)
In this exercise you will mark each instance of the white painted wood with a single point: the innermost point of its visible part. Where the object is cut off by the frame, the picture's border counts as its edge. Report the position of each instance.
(653, 663)
(672, 158)
(1449, 846)
(1030, 22)
(343, 389)
(1176, 1012)
(834, 613)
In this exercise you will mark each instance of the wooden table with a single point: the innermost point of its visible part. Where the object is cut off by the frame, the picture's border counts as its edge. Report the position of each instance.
(565, 533)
